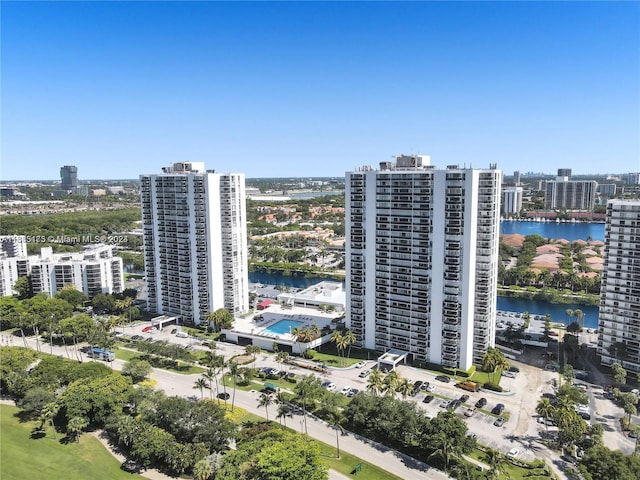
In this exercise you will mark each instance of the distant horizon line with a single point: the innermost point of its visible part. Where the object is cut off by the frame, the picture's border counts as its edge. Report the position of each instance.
(310, 177)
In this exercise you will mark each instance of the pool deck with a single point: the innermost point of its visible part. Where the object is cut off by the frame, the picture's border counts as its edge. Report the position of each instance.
(275, 313)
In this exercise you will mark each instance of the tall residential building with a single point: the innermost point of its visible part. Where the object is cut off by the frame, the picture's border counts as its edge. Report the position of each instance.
(93, 270)
(512, 200)
(69, 177)
(570, 194)
(195, 241)
(516, 178)
(422, 259)
(619, 322)
(633, 178)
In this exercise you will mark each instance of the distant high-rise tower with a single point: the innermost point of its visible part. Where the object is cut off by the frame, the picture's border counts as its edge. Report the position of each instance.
(619, 322)
(195, 241)
(69, 177)
(564, 173)
(422, 259)
(512, 200)
(516, 178)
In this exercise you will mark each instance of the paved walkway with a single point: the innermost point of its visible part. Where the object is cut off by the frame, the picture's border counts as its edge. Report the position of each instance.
(377, 454)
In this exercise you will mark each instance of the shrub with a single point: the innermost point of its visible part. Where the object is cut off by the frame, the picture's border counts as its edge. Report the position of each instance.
(309, 354)
(492, 386)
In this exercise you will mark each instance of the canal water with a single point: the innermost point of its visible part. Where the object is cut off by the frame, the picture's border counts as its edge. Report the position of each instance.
(568, 231)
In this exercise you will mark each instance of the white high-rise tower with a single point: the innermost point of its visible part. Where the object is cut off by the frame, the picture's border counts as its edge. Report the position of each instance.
(619, 322)
(195, 241)
(422, 259)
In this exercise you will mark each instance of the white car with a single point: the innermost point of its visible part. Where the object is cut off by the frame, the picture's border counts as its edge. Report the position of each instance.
(360, 364)
(513, 452)
(345, 391)
(583, 408)
(431, 388)
(329, 386)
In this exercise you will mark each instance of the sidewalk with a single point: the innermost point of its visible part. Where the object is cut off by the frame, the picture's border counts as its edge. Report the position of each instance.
(377, 454)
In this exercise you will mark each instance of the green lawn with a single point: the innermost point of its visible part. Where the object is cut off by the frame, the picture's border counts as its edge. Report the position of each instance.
(514, 472)
(23, 457)
(347, 462)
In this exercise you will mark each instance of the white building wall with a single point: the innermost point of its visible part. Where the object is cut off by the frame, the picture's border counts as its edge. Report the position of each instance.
(196, 260)
(408, 257)
(619, 320)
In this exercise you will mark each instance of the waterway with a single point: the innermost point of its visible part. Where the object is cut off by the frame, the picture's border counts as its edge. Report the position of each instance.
(568, 231)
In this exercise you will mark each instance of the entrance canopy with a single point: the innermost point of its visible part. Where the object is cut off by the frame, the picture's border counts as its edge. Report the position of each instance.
(390, 359)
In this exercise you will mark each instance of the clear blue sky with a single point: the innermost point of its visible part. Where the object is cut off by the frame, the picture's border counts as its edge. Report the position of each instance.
(317, 89)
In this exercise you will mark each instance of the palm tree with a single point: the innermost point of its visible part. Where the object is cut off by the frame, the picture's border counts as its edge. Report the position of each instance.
(233, 371)
(375, 383)
(391, 383)
(282, 358)
(445, 449)
(75, 427)
(580, 316)
(210, 376)
(545, 409)
(565, 413)
(253, 350)
(404, 387)
(341, 343)
(349, 339)
(49, 411)
(495, 460)
(570, 313)
(201, 384)
(334, 419)
(265, 401)
(202, 470)
(283, 411)
(296, 333)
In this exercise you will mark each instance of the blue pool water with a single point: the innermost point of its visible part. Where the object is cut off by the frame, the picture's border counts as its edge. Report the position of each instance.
(283, 326)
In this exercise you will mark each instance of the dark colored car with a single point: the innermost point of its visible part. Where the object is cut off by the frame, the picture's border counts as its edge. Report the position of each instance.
(174, 330)
(585, 415)
(497, 410)
(464, 398)
(481, 403)
(416, 387)
(131, 467)
(428, 399)
(514, 369)
(443, 378)
(223, 396)
(455, 404)
(137, 337)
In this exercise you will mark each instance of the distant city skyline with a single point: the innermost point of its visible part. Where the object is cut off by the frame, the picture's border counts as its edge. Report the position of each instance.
(315, 89)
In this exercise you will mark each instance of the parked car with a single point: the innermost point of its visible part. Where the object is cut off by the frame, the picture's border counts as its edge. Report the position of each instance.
(481, 403)
(470, 412)
(508, 374)
(345, 391)
(455, 404)
(548, 421)
(513, 453)
(431, 388)
(585, 415)
(464, 398)
(428, 399)
(147, 328)
(364, 373)
(131, 467)
(514, 369)
(499, 421)
(443, 378)
(498, 409)
(182, 335)
(137, 337)
(360, 364)
(329, 386)
(444, 403)
(424, 386)
(174, 331)
(352, 392)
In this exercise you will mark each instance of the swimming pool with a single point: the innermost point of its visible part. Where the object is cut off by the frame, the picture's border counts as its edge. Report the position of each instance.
(283, 326)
